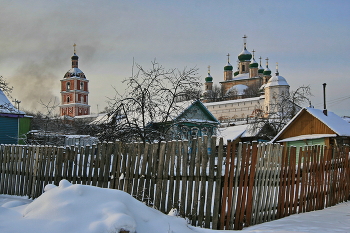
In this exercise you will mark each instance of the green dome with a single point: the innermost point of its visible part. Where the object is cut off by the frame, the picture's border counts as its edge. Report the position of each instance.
(236, 73)
(75, 57)
(228, 66)
(260, 70)
(209, 79)
(254, 64)
(267, 71)
(245, 55)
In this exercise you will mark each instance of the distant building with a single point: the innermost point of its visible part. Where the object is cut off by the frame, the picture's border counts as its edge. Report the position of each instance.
(248, 92)
(74, 91)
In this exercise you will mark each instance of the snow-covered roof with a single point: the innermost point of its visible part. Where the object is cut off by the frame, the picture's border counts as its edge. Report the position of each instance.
(231, 133)
(245, 51)
(332, 120)
(75, 71)
(277, 81)
(7, 107)
(233, 101)
(237, 89)
(306, 137)
(241, 76)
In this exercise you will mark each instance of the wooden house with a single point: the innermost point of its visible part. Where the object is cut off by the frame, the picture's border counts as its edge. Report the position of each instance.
(192, 119)
(13, 123)
(314, 127)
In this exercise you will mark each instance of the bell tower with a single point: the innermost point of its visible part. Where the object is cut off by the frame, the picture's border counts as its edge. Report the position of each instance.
(74, 91)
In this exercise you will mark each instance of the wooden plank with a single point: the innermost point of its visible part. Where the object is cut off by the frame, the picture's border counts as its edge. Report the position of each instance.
(298, 184)
(232, 184)
(85, 169)
(152, 167)
(191, 178)
(254, 158)
(165, 177)
(161, 156)
(184, 173)
(11, 170)
(292, 180)
(59, 165)
(270, 182)
(238, 225)
(238, 185)
(3, 168)
(196, 190)
(256, 191)
(203, 181)
(92, 166)
(116, 164)
(101, 164)
(47, 160)
(245, 167)
(217, 195)
(179, 156)
(23, 171)
(209, 204)
(107, 166)
(17, 170)
(170, 192)
(30, 171)
(135, 192)
(279, 152)
(223, 216)
(96, 164)
(80, 163)
(143, 174)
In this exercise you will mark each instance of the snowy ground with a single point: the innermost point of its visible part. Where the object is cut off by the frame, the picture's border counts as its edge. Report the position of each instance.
(79, 208)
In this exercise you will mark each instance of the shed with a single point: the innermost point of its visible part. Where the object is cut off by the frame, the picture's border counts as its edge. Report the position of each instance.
(312, 126)
(9, 121)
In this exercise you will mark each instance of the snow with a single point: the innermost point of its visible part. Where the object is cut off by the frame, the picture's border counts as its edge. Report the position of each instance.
(233, 101)
(277, 81)
(82, 208)
(238, 89)
(306, 137)
(6, 106)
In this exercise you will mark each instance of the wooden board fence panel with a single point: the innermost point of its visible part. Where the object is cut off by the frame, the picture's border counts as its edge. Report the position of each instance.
(260, 182)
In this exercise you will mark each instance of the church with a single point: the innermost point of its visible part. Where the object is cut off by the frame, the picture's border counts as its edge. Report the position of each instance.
(248, 92)
(74, 91)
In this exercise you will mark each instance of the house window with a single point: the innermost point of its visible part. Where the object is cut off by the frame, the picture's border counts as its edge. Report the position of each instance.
(243, 68)
(68, 99)
(81, 86)
(68, 86)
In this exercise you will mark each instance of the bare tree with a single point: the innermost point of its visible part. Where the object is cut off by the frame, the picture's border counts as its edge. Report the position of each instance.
(4, 86)
(252, 90)
(149, 104)
(214, 95)
(280, 112)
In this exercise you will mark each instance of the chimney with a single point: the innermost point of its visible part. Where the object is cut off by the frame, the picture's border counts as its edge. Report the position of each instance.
(324, 99)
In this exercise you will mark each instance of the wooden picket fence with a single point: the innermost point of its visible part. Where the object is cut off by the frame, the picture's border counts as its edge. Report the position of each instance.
(213, 186)
(264, 182)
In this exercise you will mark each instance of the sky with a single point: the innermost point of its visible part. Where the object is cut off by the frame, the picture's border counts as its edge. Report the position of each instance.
(310, 40)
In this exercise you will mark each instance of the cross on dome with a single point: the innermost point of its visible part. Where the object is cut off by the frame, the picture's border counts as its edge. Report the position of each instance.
(267, 62)
(209, 69)
(74, 48)
(228, 58)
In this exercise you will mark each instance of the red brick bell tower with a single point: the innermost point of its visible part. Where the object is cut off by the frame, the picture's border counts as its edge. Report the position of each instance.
(74, 91)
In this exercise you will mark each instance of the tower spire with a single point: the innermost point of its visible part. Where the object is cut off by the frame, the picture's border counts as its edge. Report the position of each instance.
(228, 58)
(74, 48)
(260, 60)
(245, 41)
(253, 53)
(209, 69)
(267, 62)
(277, 73)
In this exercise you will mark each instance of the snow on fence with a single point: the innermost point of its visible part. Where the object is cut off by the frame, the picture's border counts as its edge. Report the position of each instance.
(211, 185)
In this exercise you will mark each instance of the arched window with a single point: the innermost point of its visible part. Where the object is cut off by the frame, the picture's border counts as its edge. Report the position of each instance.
(68, 99)
(68, 86)
(81, 86)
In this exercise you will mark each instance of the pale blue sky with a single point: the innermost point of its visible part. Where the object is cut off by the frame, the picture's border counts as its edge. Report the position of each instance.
(309, 39)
